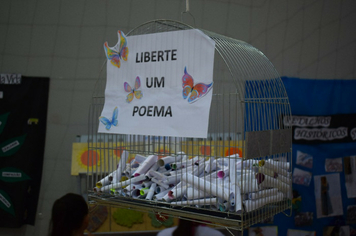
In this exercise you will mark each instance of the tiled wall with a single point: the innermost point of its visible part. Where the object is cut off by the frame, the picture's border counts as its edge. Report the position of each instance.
(63, 40)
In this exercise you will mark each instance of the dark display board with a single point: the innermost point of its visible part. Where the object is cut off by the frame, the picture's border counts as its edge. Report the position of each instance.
(324, 154)
(23, 114)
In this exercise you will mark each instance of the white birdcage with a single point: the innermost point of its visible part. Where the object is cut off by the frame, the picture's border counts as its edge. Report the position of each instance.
(239, 176)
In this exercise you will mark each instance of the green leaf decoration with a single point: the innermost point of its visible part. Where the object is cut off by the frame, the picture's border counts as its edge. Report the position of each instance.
(9, 174)
(3, 120)
(11, 146)
(5, 203)
(126, 217)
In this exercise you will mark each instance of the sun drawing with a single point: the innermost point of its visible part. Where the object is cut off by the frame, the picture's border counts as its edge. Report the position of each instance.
(88, 158)
(232, 151)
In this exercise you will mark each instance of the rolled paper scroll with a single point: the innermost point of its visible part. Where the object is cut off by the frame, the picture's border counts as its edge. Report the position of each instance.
(157, 175)
(194, 169)
(224, 206)
(182, 156)
(176, 192)
(160, 183)
(151, 191)
(173, 179)
(270, 182)
(159, 188)
(210, 165)
(192, 193)
(169, 159)
(277, 164)
(234, 167)
(129, 171)
(146, 184)
(275, 173)
(246, 176)
(286, 179)
(122, 165)
(123, 183)
(208, 187)
(144, 191)
(248, 185)
(262, 193)
(159, 196)
(118, 192)
(146, 165)
(237, 204)
(154, 167)
(106, 180)
(251, 205)
(224, 172)
(139, 158)
(235, 189)
(198, 202)
(135, 193)
(184, 164)
(131, 187)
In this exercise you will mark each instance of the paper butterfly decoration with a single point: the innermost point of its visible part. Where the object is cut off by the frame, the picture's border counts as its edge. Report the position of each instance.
(133, 91)
(193, 91)
(108, 123)
(118, 52)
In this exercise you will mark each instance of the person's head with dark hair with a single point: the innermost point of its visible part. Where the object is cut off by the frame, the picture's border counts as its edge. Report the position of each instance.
(69, 216)
(185, 227)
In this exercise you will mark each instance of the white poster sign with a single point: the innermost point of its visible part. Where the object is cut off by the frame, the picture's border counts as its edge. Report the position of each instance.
(159, 84)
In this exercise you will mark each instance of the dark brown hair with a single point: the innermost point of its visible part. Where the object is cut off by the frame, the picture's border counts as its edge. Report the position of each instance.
(185, 227)
(68, 213)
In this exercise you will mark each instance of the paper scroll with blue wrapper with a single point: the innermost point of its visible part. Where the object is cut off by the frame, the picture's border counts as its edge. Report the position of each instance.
(159, 84)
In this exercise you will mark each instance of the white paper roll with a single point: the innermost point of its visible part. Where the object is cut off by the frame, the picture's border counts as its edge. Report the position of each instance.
(154, 167)
(106, 180)
(251, 205)
(131, 187)
(159, 196)
(262, 193)
(151, 191)
(122, 165)
(160, 183)
(208, 187)
(157, 175)
(248, 185)
(176, 192)
(277, 164)
(123, 183)
(173, 179)
(185, 163)
(237, 204)
(270, 182)
(146, 165)
(210, 165)
(135, 193)
(146, 184)
(198, 202)
(169, 159)
(139, 158)
(192, 193)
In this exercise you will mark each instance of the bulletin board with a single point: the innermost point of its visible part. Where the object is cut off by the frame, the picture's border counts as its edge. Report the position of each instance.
(23, 118)
(324, 156)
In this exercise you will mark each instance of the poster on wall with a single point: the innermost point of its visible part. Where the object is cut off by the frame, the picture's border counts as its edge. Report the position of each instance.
(323, 158)
(159, 84)
(23, 118)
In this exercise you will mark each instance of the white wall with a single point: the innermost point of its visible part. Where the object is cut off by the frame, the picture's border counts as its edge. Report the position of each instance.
(63, 40)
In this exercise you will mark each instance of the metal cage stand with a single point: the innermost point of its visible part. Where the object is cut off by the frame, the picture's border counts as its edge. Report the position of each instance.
(248, 107)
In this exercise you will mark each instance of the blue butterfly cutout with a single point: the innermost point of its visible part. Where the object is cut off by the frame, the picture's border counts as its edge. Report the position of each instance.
(108, 123)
